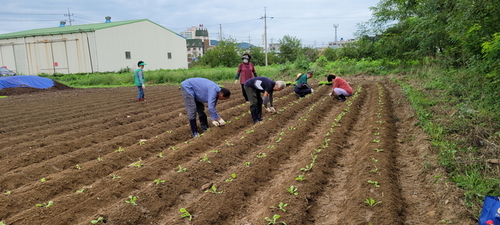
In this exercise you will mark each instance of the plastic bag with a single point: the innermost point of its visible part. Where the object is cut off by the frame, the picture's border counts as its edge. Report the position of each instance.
(490, 214)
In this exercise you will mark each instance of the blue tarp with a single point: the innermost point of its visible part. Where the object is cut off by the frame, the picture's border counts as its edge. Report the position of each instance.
(26, 81)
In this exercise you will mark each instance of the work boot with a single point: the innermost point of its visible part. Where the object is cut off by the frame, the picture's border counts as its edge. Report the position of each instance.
(138, 100)
(342, 98)
(254, 114)
(194, 128)
(204, 123)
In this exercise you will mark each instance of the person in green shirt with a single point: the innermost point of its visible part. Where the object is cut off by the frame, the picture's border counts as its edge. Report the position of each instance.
(139, 81)
(302, 88)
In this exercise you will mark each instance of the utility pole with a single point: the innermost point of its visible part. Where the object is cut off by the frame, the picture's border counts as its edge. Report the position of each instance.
(69, 17)
(335, 26)
(265, 32)
(220, 32)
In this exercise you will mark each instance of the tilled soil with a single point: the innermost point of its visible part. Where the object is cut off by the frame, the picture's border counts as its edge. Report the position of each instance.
(363, 161)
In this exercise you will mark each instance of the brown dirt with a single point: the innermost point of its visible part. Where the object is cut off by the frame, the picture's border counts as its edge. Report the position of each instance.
(48, 134)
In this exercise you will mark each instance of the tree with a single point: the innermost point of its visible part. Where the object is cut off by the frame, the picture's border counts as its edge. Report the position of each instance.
(225, 54)
(290, 48)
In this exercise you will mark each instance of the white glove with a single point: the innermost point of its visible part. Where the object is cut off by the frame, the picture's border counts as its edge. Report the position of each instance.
(235, 81)
(143, 86)
(312, 90)
(222, 122)
(215, 123)
(330, 94)
(268, 109)
(272, 109)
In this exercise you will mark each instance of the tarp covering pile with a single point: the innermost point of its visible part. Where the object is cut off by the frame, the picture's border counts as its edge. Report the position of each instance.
(26, 81)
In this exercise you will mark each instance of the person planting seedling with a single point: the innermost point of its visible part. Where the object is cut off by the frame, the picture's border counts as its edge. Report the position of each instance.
(195, 92)
(341, 89)
(257, 85)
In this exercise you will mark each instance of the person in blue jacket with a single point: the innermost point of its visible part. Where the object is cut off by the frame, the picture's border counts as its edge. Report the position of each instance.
(195, 92)
(139, 81)
(254, 87)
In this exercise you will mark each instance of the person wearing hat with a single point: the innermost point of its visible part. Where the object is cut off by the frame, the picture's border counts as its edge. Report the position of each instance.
(196, 91)
(253, 88)
(246, 70)
(341, 88)
(302, 88)
(139, 81)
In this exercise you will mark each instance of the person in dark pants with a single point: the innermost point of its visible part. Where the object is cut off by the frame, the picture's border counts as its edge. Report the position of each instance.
(253, 88)
(246, 70)
(139, 81)
(195, 92)
(302, 88)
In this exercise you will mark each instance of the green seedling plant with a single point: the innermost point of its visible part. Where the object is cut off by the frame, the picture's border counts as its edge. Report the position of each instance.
(205, 159)
(137, 164)
(43, 179)
(250, 131)
(228, 144)
(374, 170)
(142, 142)
(168, 131)
(293, 190)
(274, 220)
(1, 223)
(281, 206)
(8, 192)
(159, 181)
(181, 169)
(247, 164)
(160, 155)
(233, 176)
(271, 146)
(132, 200)
(120, 149)
(300, 177)
(185, 213)
(98, 220)
(376, 141)
(292, 128)
(213, 189)
(100, 159)
(278, 140)
(187, 142)
(81, 190)
(371, 201)
(374, 159)
(114, 176)
(261, 155)
(215, 151)
(78, 167)
(379, 150)
(374, 183)
(174, 148)
(46, 205)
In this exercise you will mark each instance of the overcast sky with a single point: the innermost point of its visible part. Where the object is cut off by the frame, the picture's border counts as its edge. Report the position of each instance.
(311, 21)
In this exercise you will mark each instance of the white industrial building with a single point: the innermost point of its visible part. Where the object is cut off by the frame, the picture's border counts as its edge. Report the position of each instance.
(100, 47)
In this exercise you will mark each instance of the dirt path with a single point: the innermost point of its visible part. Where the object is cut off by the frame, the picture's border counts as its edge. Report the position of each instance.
(362, 161)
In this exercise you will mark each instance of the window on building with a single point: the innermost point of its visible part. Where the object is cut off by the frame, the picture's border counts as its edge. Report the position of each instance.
(127, 55)
(169, 55)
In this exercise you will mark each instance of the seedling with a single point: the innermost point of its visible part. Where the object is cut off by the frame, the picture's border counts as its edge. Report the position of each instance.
(137, 164)
(8, 192)
(270, 146)
(174, 148)
(376, 134)
(371, 201)
(247, 164)
(293, 190)
(250, 131)
(292, 128)
(374, 170)
(374, 159)
(228, 144)
(78, 167)
(242, 137)
(307, 168)
(205, 159)
(98, 220)
(131, 200)
(120, 149)
(278, 139)
(115, 177)
(187, 142)
(81, 190)
(100, 159)
(233, 176)
(261, 155)
(142, 142)
(325, 143)
(181, 169)
(282, 133)
(168, 131)
(376, 141)
(281, 206)
(185, 213)
(274, 220)
(160, 155)
(379, 150)
(43, 179)
(46, 205)
(159, 181)
(374, 183)
(215, 151)
(300, 177)
(213, 189)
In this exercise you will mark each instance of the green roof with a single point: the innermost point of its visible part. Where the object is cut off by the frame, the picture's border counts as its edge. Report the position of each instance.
(70, 29)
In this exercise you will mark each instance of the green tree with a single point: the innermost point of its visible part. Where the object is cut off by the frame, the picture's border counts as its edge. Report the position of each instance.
(290, 48)
(225, 54)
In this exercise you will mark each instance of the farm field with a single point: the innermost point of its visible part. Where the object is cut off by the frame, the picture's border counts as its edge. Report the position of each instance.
(82, 154)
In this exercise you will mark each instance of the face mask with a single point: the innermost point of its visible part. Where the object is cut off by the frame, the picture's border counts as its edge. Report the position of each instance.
(245, 60)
